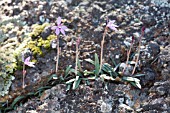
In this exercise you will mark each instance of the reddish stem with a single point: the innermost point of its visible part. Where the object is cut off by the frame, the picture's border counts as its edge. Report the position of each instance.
(23, 76)
(102, 45)
(137, 59)
(128, 54)
(58, 55)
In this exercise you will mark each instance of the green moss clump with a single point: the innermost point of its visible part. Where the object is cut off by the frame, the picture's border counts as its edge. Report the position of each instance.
(37, 29)
(38, 43)
(34, 48)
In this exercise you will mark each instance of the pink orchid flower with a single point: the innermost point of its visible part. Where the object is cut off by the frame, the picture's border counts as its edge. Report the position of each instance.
(28, 63)
(111, 25)
(59, 28)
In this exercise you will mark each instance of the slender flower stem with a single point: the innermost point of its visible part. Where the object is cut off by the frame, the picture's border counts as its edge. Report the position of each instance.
(128, 54)
(23, 76)
(138, 54)
(102, 45)
(136, 62)
(58, 54)
(76, 59)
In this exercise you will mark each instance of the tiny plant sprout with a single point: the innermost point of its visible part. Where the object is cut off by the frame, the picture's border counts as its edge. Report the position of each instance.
(112, 26)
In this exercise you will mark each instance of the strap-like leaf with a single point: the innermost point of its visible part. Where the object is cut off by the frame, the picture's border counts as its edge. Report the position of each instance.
(88, 72)
(68, 87)
(90, 61)
(79, 65)
(70, 81)
(76, 83)
(107, 68)
(104, 76)
(52, 77)
(67, 71)
(139, 75)
(17, 100)
(97, 65)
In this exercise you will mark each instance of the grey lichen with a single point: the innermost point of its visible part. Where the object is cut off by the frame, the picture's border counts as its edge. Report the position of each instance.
(11, 49)
(7, 66)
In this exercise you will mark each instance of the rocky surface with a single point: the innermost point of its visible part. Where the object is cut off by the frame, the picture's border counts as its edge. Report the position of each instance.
(86, 19)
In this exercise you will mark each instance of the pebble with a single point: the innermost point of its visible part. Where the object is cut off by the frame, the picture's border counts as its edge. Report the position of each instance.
(46, 32)
(148, 20)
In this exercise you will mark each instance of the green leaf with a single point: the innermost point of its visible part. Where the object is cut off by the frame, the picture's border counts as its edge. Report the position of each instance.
(116, 67)
(7, 109)
(107, 68)
(31, 94)
(91, 78)
(88, 73)
(131, 79)
(67, 72)
(97, 65)
(74, 71)
(70, 81)
(139, 75)
(105, 77)
(68, 87)
(90, 61)
(79, 65)
(19, 98)
(113, 61)
(136, 84)
(87, 82)
(131, 62)
(79, 74)
(134, 81)
(43, 88)
(51, 77)
(76, 82)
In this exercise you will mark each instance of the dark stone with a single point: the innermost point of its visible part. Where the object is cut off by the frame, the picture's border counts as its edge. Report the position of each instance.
(154, 49)
(153, 107)
(160, 88)
(46, 32)
(148, 20)
(149, 77)
(16, 11)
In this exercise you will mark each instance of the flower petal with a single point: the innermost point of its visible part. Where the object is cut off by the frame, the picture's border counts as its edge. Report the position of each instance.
(31, 64)
(58, 20)
(114, 25)
(112, 21)
(114, 29)
(54, 27)
(63, 32)
(27, 60)
(111, 25)
(28, 63)
(64, 27)
(57, 31)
